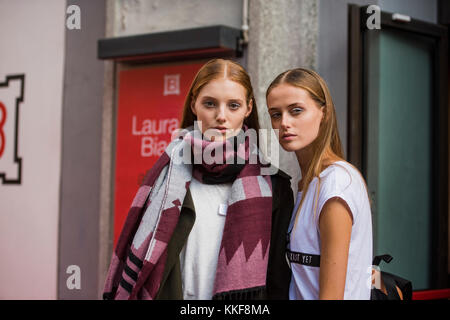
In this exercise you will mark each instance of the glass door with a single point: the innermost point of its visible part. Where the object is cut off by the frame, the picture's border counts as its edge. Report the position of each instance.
(399, 151)
(398, 137)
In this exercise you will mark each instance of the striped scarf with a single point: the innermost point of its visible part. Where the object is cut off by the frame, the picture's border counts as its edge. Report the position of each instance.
(138, 261)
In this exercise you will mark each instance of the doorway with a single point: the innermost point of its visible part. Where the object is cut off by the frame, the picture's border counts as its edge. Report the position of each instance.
(398, 120)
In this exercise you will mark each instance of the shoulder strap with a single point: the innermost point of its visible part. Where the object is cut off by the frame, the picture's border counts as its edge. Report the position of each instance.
(385, 257)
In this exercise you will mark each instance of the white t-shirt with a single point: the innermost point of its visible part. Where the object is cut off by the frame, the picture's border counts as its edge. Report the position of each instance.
(200, 254)
(344, 181)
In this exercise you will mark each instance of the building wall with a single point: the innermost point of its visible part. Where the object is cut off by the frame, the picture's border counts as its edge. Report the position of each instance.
(81, 153)
(144, 16)
(32, 36)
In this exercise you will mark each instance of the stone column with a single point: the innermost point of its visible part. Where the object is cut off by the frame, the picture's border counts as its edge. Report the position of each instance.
(282, 35)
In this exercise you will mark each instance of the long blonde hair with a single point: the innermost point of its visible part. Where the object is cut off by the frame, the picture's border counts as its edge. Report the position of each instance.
(327, 144)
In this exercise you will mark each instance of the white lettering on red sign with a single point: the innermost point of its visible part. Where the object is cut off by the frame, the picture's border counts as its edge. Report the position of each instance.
(171, 84)
(150, 129)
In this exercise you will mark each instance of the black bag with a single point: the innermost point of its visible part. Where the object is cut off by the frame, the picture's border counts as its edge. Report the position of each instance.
(392, 284)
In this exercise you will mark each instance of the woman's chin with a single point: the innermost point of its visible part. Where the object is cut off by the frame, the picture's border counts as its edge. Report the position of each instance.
(289, 147)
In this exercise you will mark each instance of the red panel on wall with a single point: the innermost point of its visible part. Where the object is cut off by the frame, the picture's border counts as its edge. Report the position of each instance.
(150, 103)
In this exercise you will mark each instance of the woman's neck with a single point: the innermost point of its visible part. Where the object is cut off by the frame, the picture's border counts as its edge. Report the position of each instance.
(304, 158)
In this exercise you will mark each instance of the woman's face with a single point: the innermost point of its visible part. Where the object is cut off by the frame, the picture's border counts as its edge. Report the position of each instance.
(221, 106)
(295, 114)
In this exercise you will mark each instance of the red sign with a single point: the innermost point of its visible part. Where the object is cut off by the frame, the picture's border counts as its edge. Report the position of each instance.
(150, 104)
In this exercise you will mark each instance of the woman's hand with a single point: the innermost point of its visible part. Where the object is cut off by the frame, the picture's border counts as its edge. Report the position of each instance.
(335, 225)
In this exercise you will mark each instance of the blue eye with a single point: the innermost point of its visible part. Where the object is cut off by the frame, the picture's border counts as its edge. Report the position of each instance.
(296, 110)
(275, 115)
(234, 105)
(209, 104)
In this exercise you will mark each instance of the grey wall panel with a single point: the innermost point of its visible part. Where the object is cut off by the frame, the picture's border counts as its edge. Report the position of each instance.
(333, 54)
(81, 152)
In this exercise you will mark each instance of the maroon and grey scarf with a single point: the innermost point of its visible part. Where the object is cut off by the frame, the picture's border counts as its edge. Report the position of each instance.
(138, 261)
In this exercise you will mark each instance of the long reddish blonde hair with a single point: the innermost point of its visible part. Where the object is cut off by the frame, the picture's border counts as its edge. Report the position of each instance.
(214, 69)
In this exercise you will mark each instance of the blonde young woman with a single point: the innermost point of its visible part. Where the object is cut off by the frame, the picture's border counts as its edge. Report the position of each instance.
(330, 237)
(207, 230)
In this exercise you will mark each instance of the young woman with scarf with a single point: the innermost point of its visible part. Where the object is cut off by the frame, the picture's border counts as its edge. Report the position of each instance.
(207, 224)
(330, 237)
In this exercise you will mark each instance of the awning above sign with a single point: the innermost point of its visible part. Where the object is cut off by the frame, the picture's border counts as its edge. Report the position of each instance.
(173, 45)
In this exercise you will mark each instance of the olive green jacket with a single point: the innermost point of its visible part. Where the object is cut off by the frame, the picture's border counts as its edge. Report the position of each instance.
(278, 272)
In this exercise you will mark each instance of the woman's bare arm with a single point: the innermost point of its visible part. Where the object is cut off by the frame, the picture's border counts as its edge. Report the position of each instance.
(335, 225)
